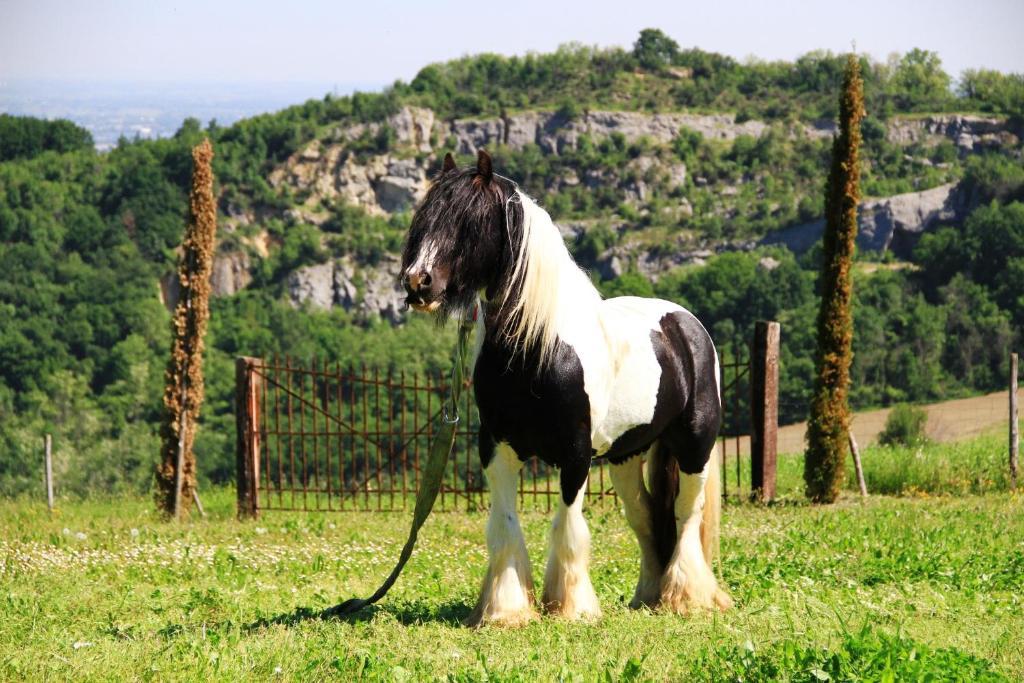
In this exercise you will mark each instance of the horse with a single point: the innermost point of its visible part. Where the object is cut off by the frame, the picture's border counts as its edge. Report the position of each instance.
(565, 376)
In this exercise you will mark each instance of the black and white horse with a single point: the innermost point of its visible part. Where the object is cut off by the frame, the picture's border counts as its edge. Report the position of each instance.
(565, 376)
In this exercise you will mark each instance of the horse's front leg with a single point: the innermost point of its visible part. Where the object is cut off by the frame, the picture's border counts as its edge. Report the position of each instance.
(507, 593)
(567, 588)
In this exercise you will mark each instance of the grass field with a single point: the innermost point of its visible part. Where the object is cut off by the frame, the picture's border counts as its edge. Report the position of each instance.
(888, 588)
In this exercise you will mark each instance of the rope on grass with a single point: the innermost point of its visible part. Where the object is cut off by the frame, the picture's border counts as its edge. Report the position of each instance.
(433, 475)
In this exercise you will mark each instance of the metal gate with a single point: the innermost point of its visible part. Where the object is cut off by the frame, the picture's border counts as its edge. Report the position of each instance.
(321, 436)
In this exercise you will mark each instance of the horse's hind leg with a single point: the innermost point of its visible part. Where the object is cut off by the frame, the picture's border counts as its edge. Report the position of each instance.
(507, 593)
(689, 582)
(568, 591)
(628, 480)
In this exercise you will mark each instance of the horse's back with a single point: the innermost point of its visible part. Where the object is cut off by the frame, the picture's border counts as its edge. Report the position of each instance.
(664, 382)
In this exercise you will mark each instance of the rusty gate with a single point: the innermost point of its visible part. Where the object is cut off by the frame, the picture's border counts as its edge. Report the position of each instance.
(318, 436)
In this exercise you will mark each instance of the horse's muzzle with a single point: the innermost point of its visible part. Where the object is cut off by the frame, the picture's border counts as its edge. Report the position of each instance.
(424, 307)
(420, 288)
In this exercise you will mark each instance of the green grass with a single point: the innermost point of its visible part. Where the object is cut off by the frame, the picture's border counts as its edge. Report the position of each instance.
(978, 465)
(970, 467)
(883, 589)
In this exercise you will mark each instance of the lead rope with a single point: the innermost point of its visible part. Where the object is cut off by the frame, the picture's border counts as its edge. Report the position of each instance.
(433, 475)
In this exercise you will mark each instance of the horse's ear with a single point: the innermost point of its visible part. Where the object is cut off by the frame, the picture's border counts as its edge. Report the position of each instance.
(483, 166)
(449, 163)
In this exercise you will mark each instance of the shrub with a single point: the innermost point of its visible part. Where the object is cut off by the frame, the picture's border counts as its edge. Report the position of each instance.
(828, 426)
(904, 426)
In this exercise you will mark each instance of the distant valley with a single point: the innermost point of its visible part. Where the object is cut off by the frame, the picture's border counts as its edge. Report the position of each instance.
(111, 110)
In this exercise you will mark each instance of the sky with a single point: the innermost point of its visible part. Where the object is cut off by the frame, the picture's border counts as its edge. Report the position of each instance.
(342, 43)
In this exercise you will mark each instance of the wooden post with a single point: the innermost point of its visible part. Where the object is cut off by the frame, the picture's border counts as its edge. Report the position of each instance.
(199, 503)
(247, 441)
(764, 409)
(49, 472)
(1014, 433)
(179, 467)
(855, 451)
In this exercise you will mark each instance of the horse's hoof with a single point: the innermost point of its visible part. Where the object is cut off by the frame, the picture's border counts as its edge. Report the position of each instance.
(501, 619)
(582, 604)
(684, 602)
(644, 603)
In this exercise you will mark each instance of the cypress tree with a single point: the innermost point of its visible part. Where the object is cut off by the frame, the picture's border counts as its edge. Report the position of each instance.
(183, 391)
(829, 423)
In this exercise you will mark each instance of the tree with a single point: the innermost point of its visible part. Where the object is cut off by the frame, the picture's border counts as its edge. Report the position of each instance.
(654, 50)
(982, 334)
(829, 423)
(183, 393)
(993, 91)
(920, 83)
(26, 137)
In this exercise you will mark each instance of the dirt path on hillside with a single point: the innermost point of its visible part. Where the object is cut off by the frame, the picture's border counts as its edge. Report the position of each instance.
(947, 421)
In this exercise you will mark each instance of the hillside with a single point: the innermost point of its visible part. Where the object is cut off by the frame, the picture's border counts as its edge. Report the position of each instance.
(673, 172)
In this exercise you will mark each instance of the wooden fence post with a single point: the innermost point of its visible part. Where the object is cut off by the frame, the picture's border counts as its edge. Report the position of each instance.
(855, 452)
(247, 438)
(49, 472)
(1014, 434)
(764, 409)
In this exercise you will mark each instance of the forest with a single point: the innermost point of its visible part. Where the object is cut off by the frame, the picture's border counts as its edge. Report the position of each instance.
(86, 237)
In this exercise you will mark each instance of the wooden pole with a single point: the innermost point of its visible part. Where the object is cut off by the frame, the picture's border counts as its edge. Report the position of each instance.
(49, 472)
(1014, 433)
(179, 467)
(247, 437)
(855, 451)
(764, 409)
(199, 503)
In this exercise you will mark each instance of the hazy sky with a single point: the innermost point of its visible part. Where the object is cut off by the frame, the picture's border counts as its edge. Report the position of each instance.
(375, 42)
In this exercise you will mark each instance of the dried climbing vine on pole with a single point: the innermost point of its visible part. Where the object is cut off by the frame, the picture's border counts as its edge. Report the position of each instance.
(183, 390)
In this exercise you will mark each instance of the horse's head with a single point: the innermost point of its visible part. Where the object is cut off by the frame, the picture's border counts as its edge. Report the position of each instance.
(459, 243)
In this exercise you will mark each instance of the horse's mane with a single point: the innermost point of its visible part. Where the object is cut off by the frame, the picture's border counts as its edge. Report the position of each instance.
(546, 288)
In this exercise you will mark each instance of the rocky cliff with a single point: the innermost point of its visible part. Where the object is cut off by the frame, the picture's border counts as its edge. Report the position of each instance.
(342, 283)
(968, 133)
(888, 224)
(335, 170)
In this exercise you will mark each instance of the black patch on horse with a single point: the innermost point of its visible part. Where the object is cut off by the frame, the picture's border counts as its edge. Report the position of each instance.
(545, 413)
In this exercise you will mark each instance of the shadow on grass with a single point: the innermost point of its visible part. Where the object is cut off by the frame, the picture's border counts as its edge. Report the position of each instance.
(452, 613)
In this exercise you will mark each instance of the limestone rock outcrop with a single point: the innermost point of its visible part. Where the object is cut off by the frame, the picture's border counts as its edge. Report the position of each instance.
(381, 184)
(367, 290)
(968, 133)
(891, 223)
(230, 273)
(334, 171)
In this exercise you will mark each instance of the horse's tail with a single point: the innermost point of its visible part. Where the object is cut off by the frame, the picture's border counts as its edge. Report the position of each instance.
(712, 507)
(663, 482)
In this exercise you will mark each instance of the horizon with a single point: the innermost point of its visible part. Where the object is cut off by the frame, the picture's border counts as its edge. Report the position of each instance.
(61, 59)
(113, 41)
